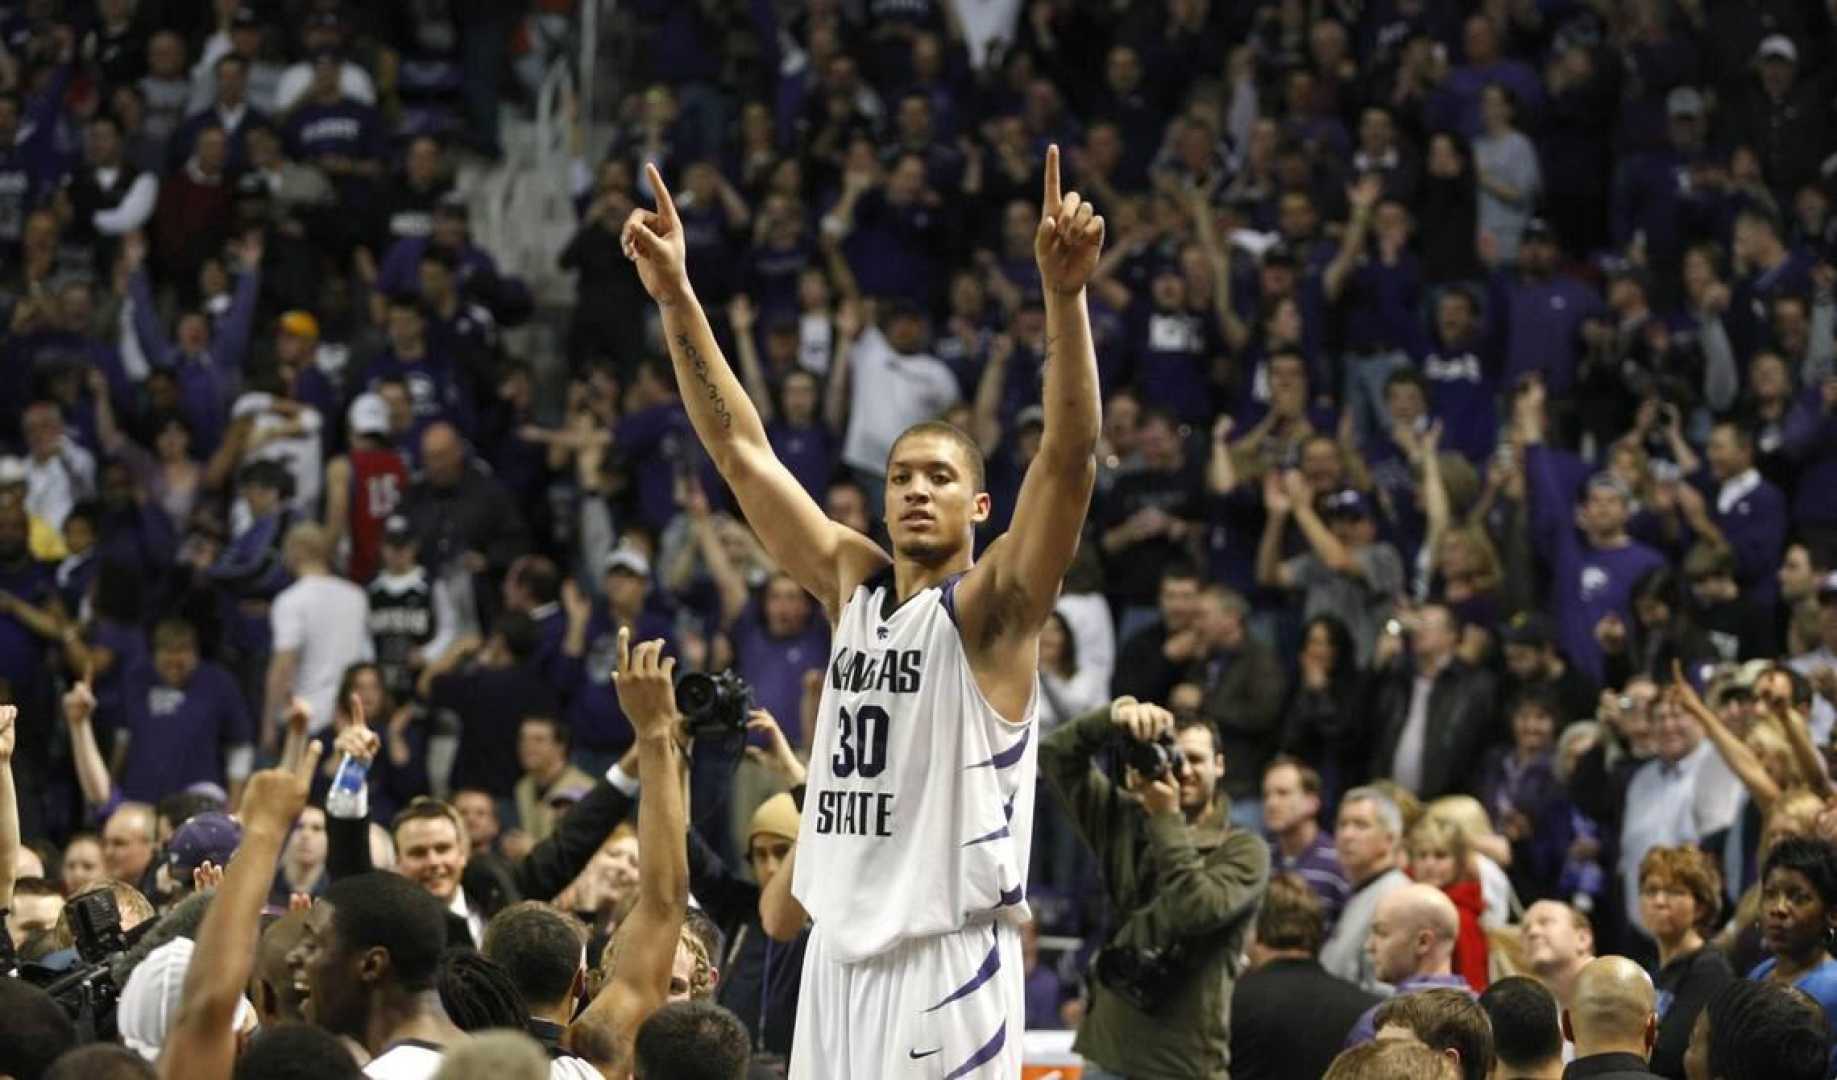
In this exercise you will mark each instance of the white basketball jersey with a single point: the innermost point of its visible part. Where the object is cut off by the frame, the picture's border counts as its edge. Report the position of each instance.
(918, 816)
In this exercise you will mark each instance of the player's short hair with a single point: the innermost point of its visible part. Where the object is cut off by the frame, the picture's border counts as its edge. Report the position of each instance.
(691, 1040)
(711, 943)
(1291, 917)
(380, 910)
(1394, 1059)
(101, 1061)
(539, 947)
(972, 454)
(34, 1031)
(1762, 1030)
(1445, 1018)
(295, 1051)
(1526, 1030)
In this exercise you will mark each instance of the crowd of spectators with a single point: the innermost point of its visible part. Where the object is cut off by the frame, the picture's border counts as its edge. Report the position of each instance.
(1469, 458)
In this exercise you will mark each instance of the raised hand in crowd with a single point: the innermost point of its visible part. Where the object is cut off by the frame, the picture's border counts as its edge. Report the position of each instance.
(202, 1042)
(777, 754)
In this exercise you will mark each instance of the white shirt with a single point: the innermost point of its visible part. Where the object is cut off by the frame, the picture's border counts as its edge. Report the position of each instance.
(1669, 804)
(353, 82)
(1094, 632)
(1406, 761)
(55, 485)
(405, 1061)
(302, 455)
(888, 394)
(325, 620)
(474, 921)
(1735, 489)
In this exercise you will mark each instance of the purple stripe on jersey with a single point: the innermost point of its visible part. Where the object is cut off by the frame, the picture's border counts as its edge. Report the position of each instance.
(949, 597)
(1007, 808)
(1009, 757)
(981, 1057)
(999, 834)
(990, 965)
(1013, 896)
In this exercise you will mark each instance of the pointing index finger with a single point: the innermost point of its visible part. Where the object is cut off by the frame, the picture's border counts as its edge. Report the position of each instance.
(1053, 197)
(666, 206)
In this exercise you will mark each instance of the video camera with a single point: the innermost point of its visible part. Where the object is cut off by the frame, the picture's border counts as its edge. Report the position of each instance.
(84, 986)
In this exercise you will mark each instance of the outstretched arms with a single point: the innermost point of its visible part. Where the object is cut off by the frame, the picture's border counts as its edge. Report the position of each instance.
(1014, 588)
(817, 552)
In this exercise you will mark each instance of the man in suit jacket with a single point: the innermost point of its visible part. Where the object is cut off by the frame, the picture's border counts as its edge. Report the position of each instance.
(1288, 1016)
(432, 849)
(1612, 1019)
(1434, 712)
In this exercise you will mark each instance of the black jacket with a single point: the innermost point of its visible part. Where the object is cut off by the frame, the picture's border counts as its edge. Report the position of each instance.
(490, 883)
(759, 977)
(1690, 980)
(1607, 1067)
(1460, 725)
(1289, 1018)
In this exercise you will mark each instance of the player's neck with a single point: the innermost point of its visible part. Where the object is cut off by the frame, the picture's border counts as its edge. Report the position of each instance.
(911, 577)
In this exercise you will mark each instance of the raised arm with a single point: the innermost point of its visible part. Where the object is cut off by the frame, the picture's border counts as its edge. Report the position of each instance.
(816, 551)
(1743, 762)
(9, 806)
(92, 772)
(1015, 586)
(203, 1038)
(644, 949)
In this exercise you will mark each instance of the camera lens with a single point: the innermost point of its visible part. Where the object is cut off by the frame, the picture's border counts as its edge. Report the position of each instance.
(694, 693)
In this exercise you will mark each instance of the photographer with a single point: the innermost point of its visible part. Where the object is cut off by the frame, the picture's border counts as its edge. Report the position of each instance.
(1184, 884)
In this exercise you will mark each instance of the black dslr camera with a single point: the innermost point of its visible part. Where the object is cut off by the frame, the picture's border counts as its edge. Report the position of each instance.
(1153, 757)
(1141, 975)
(714, 704)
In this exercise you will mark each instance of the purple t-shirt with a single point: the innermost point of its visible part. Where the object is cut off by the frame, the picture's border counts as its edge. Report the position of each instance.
(178, 734)
(1586, 582)
(774, 667)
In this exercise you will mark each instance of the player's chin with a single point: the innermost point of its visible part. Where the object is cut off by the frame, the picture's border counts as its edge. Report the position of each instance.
(926, 547)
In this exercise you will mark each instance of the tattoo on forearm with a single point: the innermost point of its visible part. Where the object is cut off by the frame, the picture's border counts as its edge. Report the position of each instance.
(698, 364)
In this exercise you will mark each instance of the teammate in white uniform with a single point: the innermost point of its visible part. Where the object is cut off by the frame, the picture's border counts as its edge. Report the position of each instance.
(919, 808)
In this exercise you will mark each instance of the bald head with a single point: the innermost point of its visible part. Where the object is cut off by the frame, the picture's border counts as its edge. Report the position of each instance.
(1413, 933)
(1612, 1008)
(1425, 907)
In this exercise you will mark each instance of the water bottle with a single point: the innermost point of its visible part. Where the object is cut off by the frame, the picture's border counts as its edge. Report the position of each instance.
(346, 797)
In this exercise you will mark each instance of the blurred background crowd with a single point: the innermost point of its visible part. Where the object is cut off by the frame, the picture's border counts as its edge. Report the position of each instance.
(1470, 420)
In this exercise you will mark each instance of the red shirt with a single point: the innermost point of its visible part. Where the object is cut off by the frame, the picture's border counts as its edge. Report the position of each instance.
(379, 479)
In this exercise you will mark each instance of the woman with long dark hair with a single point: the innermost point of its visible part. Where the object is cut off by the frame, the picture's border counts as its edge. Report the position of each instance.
(1320, 721)
(1448, 212)
(1660, 633)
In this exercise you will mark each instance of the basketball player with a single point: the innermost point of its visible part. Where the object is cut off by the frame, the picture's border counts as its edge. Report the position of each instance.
(917, 820)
